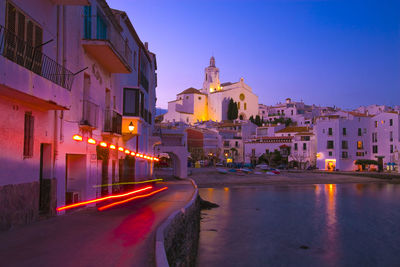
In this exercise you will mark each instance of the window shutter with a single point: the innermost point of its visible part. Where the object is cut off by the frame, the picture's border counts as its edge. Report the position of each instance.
(11, 14)
(31, 127)
(29, 33)
(21, 26)
(38, 37)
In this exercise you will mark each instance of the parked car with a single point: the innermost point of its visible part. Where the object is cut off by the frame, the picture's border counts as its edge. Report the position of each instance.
(262, 166)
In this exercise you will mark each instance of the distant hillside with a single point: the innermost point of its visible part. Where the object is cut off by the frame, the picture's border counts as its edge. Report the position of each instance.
(160, 111)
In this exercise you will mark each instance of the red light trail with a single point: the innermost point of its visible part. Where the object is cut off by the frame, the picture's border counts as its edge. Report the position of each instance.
(130, 199)
(103, 198)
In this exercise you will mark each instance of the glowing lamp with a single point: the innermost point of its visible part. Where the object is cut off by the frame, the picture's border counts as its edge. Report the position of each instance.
(141, 155)
(112, 147)
(121, 149)
(131, 127)
(103, 144)
(127, 151)
(151, 158)
(132, 153)
(91, 141)
(137, 154)
(77, 137)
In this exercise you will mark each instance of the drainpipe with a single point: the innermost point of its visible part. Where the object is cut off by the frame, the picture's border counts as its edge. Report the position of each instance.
(55, 126)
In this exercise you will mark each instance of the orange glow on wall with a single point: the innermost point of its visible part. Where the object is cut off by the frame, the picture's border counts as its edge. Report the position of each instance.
(77, 137)
(121, 149)
(83, 203)
(91, 141)
(127, 151)
(103, 144)
(132, 198)
(112, 147)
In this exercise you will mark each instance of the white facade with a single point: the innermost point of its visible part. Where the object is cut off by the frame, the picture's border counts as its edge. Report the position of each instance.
(211, 102)
(44, 105)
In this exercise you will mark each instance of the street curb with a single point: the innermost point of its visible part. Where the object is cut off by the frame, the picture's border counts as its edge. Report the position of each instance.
(160, 253)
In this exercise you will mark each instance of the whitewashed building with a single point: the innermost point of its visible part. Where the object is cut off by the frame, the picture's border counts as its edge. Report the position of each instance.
(76, 85)
(211, 101)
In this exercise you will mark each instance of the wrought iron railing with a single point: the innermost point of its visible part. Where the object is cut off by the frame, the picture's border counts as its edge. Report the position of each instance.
(112, 121)
(21, 52)
(90, 114)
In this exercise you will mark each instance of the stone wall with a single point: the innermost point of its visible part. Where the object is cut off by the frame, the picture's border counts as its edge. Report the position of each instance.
(19, 204)
(178, 237)
(182, 237)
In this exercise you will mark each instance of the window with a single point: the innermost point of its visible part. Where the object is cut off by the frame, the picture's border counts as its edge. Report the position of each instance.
(344, 131)
(359, 132)
(236, 144)
(374, 149)
(291, 112)
(238, 105)
(329, 144)
(101, 31)
(133, 102)
(226, 143)
(87, 10)
(345, 155)
(345, 145)
(376, 124)
(374, 137)
(245, 106)
(295, 146)
(283, 112)
(391, 122)
(253, 152)
(187, 97)
(360, 154)
(391, 148)
(28, 135)
(305, 138)
(19, 24)
(241, 97)
(304, 146)
(134, 59)
(360, 145)
(329, 131)
(391, 136)
(330, 153)
(199, 97)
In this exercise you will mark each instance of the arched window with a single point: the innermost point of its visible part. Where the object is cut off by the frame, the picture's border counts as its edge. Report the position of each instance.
(245, 106)
(238, 104)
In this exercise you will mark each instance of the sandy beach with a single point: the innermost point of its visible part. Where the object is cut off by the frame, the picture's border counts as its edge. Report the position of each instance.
(209, 177)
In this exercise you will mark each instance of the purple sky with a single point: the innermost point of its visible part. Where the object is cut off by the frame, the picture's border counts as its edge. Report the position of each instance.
(328, 52)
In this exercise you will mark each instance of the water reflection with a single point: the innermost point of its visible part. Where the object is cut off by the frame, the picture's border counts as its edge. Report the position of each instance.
(348, 224)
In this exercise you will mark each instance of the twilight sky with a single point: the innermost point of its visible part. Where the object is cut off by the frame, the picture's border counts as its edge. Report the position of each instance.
(327, 52)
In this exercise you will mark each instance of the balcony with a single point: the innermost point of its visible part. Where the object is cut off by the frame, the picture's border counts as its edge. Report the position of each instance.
(89, 115)
(23, 78)
(106, 46)
(112, 122)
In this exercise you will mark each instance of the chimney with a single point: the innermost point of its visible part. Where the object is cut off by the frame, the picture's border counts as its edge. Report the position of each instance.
(146, 45)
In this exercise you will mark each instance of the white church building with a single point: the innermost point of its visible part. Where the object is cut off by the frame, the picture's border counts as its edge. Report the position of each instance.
(211, 102)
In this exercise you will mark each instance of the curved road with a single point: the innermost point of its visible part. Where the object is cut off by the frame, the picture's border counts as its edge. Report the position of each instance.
(121, 236)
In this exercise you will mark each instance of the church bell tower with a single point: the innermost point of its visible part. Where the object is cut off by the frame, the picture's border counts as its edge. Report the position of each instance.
(211, 80)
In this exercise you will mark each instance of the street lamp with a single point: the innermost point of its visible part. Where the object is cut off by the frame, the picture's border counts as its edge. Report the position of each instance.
(131, 127)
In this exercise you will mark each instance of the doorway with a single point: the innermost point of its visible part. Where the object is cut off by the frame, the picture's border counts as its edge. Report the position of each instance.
(45, 184)
(75, 180)
(330, 165)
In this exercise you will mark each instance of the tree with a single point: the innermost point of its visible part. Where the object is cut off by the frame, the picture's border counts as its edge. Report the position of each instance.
(235, 111)
(232, 110)
(258, 120)
(252, 119)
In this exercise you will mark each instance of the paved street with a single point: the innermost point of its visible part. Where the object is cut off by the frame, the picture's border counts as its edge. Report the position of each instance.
(121, 236)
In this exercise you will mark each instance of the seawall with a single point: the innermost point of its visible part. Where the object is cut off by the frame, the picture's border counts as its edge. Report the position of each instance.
(177, 237)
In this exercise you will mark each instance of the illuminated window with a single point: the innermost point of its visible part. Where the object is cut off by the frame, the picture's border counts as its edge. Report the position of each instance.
(241, 97)
(238, 105)
(376, 124)
(245, 106)
(360, 145)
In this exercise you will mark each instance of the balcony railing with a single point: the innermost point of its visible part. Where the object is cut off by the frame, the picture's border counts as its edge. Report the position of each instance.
(105, 31)
(112, 121)
(90, 114)
(31, 58)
